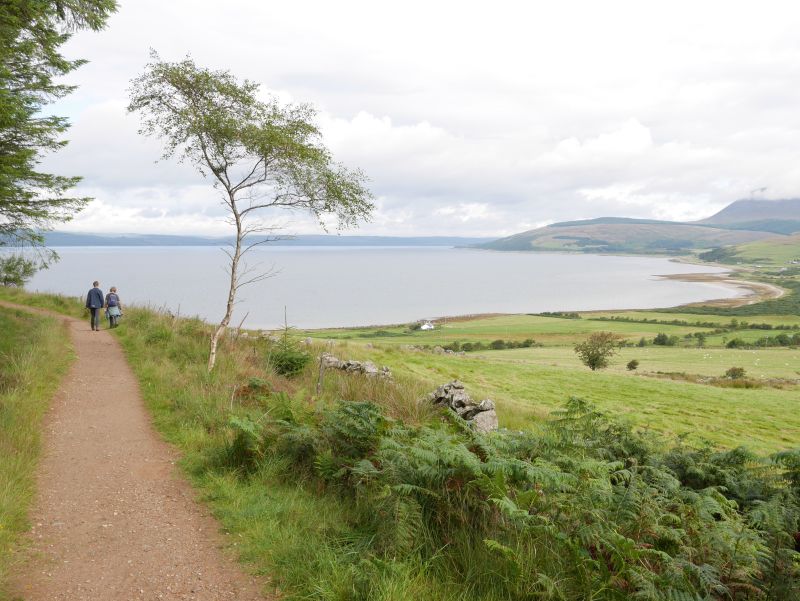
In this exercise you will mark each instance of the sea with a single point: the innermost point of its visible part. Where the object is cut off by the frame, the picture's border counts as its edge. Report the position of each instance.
(321, 287)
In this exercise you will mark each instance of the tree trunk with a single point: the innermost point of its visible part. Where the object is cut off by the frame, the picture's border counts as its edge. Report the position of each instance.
(237, 253)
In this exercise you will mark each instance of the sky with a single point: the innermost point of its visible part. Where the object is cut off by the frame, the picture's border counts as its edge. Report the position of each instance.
(469, 118)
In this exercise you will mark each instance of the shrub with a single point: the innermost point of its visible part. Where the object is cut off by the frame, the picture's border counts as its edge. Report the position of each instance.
(736, 343)
(605, 512)
(632, 364)
(497, 345)
(662, 339)
(735, 373)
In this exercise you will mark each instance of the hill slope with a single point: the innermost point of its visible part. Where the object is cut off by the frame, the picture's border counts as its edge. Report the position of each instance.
(778, 216)
(745, 211)
(741, 222)
(626, 237)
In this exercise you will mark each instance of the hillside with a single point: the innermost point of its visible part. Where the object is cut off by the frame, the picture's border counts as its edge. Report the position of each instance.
(742, 222)
(783, 252)
(648, 238)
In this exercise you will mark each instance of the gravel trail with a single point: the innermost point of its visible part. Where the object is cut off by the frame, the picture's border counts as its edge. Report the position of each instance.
(113, 521)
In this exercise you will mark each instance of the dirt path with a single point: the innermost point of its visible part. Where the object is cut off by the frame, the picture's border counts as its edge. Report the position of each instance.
(112, 520)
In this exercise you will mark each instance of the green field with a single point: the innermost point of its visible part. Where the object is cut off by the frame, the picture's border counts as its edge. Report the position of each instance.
(528, 383)
(549, 331)
(721, 320)
(771, 252)
(554, 331)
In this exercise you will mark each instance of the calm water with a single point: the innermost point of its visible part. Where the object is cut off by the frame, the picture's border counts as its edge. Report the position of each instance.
(327, 286)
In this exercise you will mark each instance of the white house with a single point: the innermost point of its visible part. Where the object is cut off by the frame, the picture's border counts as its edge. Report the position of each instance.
(426, 325)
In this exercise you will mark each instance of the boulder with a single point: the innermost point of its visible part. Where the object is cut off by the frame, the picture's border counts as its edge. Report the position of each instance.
(482, 415)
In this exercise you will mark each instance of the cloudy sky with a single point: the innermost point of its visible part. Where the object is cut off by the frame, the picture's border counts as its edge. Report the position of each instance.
(470, 118)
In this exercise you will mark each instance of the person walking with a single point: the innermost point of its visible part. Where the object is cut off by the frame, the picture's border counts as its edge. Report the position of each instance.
(94, 302)
(113, 307)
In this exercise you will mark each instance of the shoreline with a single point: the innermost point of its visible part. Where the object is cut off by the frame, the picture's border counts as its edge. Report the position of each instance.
(756, 292)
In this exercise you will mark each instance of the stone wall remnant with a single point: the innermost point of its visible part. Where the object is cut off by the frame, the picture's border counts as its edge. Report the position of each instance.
(482, 415)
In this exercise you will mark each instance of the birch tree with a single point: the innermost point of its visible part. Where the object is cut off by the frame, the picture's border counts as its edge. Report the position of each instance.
(261, 155)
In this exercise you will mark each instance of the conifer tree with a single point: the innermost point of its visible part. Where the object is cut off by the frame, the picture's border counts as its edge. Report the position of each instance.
(31, 64)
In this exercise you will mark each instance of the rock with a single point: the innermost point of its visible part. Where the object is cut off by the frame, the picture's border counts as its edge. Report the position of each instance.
(485, 421)
(367, 368)
(453, 395)
(329, 360)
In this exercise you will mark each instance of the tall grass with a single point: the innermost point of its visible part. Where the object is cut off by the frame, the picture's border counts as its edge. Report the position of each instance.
(34, 354)
(357, 490)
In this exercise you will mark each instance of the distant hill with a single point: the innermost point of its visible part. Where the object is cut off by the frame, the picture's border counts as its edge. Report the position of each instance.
(56, 239)
(741, 222)
(746, 211)
(778, 216)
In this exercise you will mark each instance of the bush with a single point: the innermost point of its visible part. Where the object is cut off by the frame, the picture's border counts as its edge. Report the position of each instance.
(735, 373)
(632, 364)
(664, 340)
(736, 343)
(497, 345)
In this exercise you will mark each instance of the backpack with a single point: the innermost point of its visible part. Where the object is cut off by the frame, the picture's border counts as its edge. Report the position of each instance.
(113, 300)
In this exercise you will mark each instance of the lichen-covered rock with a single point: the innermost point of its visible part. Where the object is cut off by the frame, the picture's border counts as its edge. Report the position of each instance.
(482, 415)
(368, 368)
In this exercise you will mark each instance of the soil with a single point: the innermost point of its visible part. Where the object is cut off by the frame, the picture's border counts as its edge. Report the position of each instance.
(113, 520)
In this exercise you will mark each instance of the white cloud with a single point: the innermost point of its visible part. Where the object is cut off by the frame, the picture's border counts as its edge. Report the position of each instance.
(469, 118)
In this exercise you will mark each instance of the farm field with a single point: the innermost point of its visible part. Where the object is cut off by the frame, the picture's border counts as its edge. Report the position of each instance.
(759, 363)
(555, 331)
(527, 384)
(544, 330)
(723, 321)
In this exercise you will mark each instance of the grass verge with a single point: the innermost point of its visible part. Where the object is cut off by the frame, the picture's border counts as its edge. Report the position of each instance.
(34, 355)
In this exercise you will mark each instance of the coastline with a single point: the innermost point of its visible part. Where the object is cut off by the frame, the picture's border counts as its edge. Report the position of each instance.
(756, 292)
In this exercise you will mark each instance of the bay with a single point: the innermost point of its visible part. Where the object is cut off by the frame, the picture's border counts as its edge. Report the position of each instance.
(348, 286)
